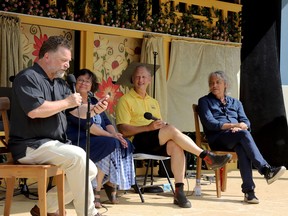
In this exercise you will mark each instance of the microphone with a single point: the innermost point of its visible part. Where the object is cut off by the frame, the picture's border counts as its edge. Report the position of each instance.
(11, 78)
(93, 100)
(149, 116)
(90, 94)
(71, 82)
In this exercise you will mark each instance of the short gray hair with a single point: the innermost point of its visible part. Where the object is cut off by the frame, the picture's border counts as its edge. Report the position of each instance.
(220, 74)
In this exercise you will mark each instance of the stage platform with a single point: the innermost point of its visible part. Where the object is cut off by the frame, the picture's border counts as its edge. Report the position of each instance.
(273, 200)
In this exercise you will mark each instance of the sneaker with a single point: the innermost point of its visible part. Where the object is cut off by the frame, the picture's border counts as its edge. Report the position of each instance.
(273, 173)
(214, 161)
(250, 198)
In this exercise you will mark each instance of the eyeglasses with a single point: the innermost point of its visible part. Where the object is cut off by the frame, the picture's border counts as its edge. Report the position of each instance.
(82, 81)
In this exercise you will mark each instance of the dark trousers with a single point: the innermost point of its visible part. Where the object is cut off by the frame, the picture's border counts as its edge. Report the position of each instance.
(247, 151)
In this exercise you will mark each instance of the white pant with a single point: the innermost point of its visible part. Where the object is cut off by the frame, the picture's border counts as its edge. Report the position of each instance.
(72, 159)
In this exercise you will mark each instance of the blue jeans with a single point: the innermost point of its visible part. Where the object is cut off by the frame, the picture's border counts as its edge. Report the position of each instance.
(247, 151)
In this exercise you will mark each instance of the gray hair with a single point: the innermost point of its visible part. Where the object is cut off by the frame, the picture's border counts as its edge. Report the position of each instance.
(221, 75)
(142, 66)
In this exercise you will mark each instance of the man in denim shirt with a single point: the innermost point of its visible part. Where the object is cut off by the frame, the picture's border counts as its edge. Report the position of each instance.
(227, 127)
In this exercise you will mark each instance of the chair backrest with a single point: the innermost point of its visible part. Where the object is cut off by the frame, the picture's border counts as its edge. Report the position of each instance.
(6, 92)
(4, 107)
(200, 139)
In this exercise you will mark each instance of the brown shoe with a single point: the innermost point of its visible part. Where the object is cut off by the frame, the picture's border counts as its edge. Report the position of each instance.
(35, 211)
(98, 214)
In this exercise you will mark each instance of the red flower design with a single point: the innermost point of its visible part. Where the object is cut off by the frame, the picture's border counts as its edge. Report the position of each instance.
(115, 64)
(107, 87)
(37, 45)
(97, 43)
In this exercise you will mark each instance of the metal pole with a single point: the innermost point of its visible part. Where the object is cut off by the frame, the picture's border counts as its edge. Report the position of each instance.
(155, 54)
(87, 154)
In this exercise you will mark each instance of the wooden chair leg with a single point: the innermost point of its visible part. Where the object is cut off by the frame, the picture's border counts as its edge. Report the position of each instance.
(10, 182)
(42, 186)
(198, 168)
(224, 178)
(218, 182)
(60, 181)
(197, 188)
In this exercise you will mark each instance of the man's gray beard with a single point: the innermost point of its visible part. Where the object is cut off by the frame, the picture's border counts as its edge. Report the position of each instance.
(60, 74)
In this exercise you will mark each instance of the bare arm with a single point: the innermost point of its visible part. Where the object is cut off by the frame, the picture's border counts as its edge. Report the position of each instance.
(130, 130)
(111, 132)
(110, 129)
(49, 108)
(94, 129)
(119, 136)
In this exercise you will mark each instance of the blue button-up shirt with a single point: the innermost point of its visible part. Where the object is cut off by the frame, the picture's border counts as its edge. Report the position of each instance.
(213, 114)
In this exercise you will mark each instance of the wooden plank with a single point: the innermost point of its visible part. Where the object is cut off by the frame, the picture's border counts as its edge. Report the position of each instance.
(212, 3)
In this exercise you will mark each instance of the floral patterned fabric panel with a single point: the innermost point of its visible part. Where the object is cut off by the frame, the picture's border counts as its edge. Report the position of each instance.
(32, 38)
(112, 55)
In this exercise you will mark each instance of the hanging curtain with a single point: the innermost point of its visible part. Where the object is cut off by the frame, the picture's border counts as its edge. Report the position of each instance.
(149, 46)
(190, 65)
(10, 48)
(261, 84)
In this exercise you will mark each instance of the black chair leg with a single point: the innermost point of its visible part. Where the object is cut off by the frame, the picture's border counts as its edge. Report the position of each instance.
(167, 176)
(137, 189)
(136, 186)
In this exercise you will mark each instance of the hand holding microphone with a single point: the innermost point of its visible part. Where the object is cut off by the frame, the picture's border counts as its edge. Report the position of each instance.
(74, 99)
(71, 82)
(149, 116)
(159, 122)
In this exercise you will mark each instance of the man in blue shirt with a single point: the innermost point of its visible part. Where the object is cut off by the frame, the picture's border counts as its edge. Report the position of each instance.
(227, 127)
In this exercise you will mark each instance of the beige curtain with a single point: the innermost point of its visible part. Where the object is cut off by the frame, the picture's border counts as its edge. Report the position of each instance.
(10, 48)
(149, 46)
(190, 65)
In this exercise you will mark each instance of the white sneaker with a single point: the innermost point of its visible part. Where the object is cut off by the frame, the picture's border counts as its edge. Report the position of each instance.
(274, 173)
(250, 198)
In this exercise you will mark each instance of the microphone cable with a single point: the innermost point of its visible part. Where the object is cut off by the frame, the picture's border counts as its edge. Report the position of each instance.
(79, 122)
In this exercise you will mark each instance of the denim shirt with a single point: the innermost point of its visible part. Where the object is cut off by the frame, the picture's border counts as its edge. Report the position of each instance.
(213, 114)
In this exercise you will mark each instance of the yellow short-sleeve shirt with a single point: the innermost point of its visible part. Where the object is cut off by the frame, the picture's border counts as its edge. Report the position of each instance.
(131, 108)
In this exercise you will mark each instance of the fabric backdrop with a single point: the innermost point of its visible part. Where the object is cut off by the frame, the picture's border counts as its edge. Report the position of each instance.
(190, 65)
(10, 48)
(149, 46)
(261, 90)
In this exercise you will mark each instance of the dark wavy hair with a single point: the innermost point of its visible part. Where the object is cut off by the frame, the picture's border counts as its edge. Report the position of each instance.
(52, 44)
(91, 75)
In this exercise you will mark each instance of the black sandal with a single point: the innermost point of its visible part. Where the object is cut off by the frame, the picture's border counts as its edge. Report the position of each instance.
(111, 193)
(97, 201)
